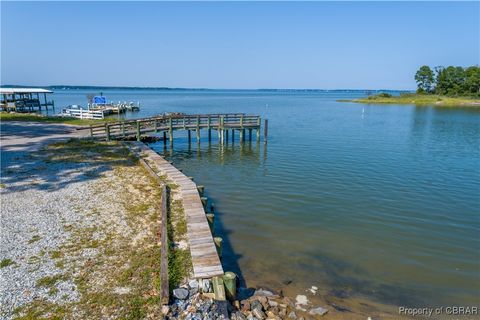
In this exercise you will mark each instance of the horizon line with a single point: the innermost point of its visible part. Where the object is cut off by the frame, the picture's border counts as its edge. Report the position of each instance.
(192, 88)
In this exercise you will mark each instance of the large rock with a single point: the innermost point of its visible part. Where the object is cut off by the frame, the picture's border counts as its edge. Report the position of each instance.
(292, 315)
(318, 311)
(255, 304)
(272, 303)
(180, 293)
(193, 284)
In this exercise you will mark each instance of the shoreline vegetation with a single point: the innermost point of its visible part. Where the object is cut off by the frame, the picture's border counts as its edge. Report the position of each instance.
(418, 99)
(444, 86)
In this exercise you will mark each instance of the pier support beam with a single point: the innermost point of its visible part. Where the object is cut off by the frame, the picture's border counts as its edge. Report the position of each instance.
(226, 135)
(241, 135)
(170, 131)
(265, 137)
(164, 138)
(198, 135)
(138, 130)
(218, 243)
(189, 136)
(209, 134)
(250, 134)
(211, 220)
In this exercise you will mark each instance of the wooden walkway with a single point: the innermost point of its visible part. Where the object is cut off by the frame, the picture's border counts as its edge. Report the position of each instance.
(167, 124)
(205, 260)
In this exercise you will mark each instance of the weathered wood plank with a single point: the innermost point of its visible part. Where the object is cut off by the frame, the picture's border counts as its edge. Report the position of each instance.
(205, 260)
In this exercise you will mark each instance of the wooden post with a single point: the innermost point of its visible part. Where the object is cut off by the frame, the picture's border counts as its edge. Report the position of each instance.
(123, 128)
(211, 220)
(218, 288)
(221, 129)
(164, 138)
(91, 131)
(204, 202)
(218, 244)
(250, 134)
(155, 126)
(241, 121)
(209, 134)
(189, 136)
(170, 131)
(107, 132)
(201, 190)
(258, 129)
(233, 135)
(230, 281)
(164, 289)
(265, 137)
(226, 135)
(138, 130)
(241, 135)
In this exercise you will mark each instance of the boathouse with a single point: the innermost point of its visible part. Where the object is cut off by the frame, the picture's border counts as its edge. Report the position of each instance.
(25, 99)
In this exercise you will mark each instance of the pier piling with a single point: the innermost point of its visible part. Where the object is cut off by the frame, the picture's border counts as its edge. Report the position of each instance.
(265, 137)
(230, 282)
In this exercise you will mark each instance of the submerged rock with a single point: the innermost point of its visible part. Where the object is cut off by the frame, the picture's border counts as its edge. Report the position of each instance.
(301, 299)
(180, 293)
(318, 311)
(263, 293)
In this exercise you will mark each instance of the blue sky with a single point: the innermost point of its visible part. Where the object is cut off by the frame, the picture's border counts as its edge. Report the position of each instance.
(326, 45)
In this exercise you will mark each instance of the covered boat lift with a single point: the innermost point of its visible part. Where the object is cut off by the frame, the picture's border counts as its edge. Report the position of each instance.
(25, 99)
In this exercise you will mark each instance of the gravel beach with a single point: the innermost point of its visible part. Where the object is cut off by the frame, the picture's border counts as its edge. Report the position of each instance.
(76, 219)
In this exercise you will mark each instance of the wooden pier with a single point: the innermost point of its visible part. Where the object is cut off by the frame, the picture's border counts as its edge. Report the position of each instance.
(205, 260)
(168, 124)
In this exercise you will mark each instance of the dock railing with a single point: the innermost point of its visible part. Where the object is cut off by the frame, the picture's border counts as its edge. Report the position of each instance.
(170, 123)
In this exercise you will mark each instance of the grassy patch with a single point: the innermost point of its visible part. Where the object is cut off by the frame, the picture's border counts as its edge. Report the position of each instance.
(2, 185)
(35, 238)
(419, 99)
(39, 310)
(50, 281)
(6, 262)
(35, 117)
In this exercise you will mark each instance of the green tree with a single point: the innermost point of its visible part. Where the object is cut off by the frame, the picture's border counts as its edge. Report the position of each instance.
(424, 79)
(472, 81)
(450, 81)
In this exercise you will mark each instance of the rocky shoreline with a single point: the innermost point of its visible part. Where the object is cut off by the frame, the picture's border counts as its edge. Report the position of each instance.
(194, 300)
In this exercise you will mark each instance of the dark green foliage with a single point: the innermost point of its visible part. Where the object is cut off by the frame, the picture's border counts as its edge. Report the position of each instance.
(424, 79)
(449, 81)
(384, 95)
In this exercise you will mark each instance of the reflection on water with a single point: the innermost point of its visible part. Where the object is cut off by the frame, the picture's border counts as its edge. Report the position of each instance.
(360, 200)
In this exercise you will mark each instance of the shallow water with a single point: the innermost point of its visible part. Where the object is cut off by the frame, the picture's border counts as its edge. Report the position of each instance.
(360, 200)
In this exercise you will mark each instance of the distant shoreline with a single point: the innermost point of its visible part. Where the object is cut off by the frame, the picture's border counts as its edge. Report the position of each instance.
(75, 87)
(418, 99)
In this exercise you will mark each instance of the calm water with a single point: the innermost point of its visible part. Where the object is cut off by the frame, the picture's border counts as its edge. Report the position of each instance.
(373, 201)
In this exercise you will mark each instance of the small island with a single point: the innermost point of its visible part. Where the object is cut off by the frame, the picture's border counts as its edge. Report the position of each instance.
(450, 87)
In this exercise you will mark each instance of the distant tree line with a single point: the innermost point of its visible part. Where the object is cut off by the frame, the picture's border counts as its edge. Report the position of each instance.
(449, 81)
